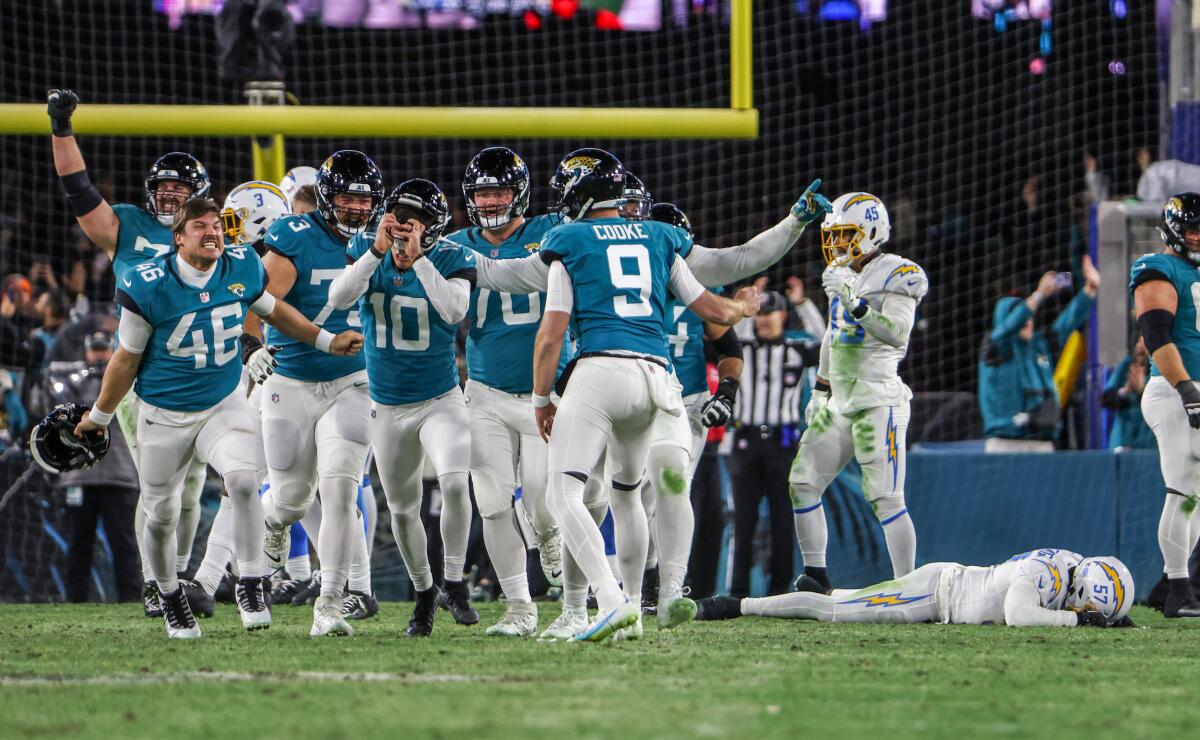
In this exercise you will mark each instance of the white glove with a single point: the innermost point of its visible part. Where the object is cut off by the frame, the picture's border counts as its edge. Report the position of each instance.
(262, 363)
(816, 402)
(835, 278)
(847, 299)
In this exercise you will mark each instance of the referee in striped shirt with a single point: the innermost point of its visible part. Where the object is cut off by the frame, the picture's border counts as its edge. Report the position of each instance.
(769, 419)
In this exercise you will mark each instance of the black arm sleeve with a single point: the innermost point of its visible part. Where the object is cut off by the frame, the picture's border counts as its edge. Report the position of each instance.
(1155, 326)
(727, 345)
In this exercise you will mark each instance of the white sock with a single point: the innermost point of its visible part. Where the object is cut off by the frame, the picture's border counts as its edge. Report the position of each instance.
(812, 533)
(219, 550)
(1174, 535)
(575, 587)
(674, 525)
(901, 540)
(360, 560)
(248, 527)
(455, 523)
(582, 537)
(633, 537)
(299, 568)
(506, 548)
(339, 531)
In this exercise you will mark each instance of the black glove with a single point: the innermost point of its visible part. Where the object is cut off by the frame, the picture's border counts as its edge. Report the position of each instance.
(1091, 618)
(60, 104)
(717, 410)
(1191, 401)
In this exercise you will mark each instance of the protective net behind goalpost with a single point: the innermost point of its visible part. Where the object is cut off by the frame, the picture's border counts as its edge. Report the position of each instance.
(969, 118)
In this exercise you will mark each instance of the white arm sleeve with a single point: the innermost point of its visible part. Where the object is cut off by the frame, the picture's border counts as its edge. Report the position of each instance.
(713, 267)
(450, 298)
(684, 284)
(1023, 608)
(526, 275)
(823, 363)
(560, 292)
(134, 332)
(810, 318)
(893, 322)
(264, 305)
(352, 283)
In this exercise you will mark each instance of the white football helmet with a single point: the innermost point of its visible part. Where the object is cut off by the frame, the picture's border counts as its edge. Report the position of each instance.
(296, 178)
(855, 229)
(250, 209)
(1104, 584)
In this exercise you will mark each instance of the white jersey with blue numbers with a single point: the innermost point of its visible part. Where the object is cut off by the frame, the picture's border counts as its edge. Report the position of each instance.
(502, 325)
(319, 257)
(619, 273)
(192, 360)
(685, 339)
(409, 347)
(140, 238)
(977, 595)
(1185, 278)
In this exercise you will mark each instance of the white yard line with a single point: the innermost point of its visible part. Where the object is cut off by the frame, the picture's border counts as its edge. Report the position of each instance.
(126, 679)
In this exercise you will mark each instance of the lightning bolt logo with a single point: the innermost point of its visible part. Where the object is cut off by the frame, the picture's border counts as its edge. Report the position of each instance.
(1118, 587)
(860, 198)
(1055, 577)
(886, 600)
(892, 454)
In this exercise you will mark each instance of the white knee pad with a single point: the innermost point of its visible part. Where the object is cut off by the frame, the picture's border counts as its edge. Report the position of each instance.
(667, 468)
(343, 459)
(242, 483)
(887, 507)
(489, 497)
(281, 442)
(161, 508)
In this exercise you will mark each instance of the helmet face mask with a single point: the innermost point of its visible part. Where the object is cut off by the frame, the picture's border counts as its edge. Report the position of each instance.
(1180, 226)
(185, 177)
(349, 173)
(854, 230)
(842, 245)
(489, 173)
(637, 199)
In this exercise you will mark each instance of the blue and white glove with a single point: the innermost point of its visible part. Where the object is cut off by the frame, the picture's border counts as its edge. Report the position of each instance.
(812, 205)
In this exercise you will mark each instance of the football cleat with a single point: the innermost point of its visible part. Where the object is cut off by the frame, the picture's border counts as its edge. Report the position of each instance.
(608, 621)
(550, 554)
(285, 589)
(650, 596)
(674, 607)
(421, 622)
(569, 623)
(198, 599)
(181, 623)
(251, 594)
(632, 632)
(277, 543)
(456, 598)
(807, 583)
(520, 620)
(718, 607)
(328, 620)
(224, 592)
(358, 605)
(307, 595)
(151, 604)
(1157, 598)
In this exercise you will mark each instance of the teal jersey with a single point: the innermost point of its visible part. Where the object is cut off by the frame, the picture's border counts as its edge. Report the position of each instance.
(620, 271)
(1185, 278)
(192, 361)
(409, 347)
(140, 238)
(319, 257)
(685, 338)
(503, 326)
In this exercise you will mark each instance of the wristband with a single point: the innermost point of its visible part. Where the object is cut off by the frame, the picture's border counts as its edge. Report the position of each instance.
(250, 344)
(100, 417)
(540, 402)
(821, 386)
(860, 310)
(728, 387)
(324, 339)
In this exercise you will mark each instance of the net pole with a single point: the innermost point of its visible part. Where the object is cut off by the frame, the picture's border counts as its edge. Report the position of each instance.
(741, 56)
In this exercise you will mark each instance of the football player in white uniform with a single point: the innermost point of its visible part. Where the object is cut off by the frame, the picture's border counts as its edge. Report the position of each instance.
(859, 406)
(1042, 588)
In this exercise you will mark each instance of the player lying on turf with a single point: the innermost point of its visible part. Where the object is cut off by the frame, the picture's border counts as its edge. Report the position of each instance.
(1041, 588)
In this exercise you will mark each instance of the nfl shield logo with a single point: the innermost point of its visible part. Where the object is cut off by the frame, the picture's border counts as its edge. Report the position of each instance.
(495, 253)
(204, 297)
(397, 280)
(274, 398)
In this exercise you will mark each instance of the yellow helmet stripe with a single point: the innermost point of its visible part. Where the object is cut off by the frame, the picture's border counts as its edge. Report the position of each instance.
(261, 184)
(861, 198)
(1118, 587)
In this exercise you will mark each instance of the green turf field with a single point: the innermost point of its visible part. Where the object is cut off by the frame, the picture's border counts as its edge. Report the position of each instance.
(108, 672)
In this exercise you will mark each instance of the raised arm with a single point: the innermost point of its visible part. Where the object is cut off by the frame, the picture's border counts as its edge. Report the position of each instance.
(709, 306)
(95, 216)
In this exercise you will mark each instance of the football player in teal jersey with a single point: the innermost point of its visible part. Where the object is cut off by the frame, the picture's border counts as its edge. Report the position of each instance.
(131, 234)
(1165, 292)
(613, 275)
(504, 436)
(182, 318)
(314, 405)
(413, 288)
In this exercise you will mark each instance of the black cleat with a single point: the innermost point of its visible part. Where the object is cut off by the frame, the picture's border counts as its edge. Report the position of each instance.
(650, 591)
(807, 583)
(358, 605)
(309, 592)
(150, 602)
(224, 593)
(283, 590)
(1158, 595)
(197, 598)
(718, 607)
(457, 599)
(421, 623)
(1180, 601)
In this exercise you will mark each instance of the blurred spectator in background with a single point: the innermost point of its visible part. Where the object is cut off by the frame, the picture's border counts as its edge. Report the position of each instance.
(1162, 179)
(107, 492)
(1099, 185)
(54, 308)
(1017, 394)
(15, 323)
(1123, 397)
(770, 420)
(708, 508)
(804, 314)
